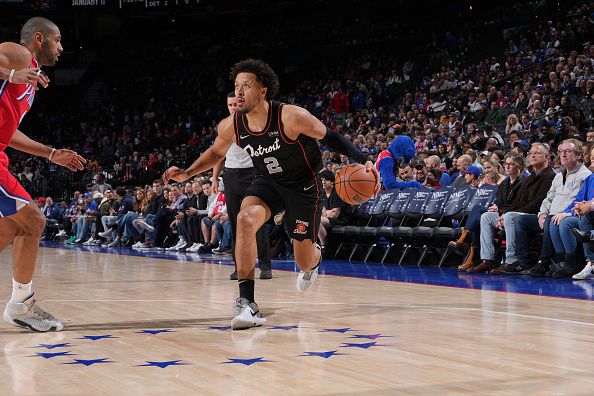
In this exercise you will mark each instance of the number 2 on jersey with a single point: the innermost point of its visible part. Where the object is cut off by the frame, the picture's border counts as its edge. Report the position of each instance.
(272, 165)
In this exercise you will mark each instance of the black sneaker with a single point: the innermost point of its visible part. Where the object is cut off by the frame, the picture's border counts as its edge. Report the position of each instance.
(233, 276)
(514, 268)
(540, 268)
(206, 248)
(565, 271)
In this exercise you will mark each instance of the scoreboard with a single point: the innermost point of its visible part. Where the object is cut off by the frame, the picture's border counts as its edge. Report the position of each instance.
(157, 3)
(133, 4)
(42, 5)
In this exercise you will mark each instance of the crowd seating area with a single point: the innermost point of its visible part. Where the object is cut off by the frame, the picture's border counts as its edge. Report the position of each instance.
(539, 90)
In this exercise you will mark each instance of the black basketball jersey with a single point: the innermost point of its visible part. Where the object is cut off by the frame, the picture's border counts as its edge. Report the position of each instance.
(287, 162)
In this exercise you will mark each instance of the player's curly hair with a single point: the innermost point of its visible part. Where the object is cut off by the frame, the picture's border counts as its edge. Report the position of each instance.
(263, 72)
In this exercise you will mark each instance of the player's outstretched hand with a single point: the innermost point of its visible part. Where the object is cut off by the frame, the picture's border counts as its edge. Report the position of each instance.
(369, 167)
(31, 76)
(174, 173)
(69, 159)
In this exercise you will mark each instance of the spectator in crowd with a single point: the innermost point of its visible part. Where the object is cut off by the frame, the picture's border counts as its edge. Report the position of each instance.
(506, 193)
(166, 216)
(52, 213)
(434, 162)
(473, 175)
(530, 194)
(334, 211)
(126, 198)
(87, 215)
(196, 215)
(464, 161)
(108, 206)
(101, 185)
(564, 189)
(216, 210)
(180, 222)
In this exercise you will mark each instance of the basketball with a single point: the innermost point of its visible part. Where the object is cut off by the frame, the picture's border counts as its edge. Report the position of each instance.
(354, 185)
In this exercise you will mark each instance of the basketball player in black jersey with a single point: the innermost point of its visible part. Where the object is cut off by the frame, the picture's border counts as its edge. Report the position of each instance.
(281, 139)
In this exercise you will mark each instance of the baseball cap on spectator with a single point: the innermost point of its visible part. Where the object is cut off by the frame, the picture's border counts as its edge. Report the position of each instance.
(40, 200)
(484, 153)
(373, 150)
(524, 145)
(97, 195)
(88, 194)
(474, 170)
(365, 150)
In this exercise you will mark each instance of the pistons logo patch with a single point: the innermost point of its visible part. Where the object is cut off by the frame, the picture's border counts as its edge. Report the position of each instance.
(300, 227)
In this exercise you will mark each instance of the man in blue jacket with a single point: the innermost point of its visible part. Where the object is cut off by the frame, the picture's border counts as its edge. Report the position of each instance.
(52, 213)
(578, 228)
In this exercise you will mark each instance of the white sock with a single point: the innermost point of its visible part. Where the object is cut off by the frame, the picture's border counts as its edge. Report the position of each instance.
(20, 291)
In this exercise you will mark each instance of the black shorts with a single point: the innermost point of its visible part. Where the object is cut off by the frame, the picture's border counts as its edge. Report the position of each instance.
(302, 205)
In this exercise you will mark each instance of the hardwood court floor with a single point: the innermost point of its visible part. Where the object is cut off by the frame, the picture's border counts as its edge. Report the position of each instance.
(146, 326)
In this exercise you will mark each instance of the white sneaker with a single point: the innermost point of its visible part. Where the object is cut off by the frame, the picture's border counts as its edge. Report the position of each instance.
(247, 315)
(61, 233)
(89, 242)
(31, 316)
(306, 279)
(586, 273)
(181, 243)
(194, 248)
(106, 234)
(191, 248)
(137, 245)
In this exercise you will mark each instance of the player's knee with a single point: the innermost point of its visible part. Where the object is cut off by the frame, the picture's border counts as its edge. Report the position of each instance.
(246, 221)
(36, 222)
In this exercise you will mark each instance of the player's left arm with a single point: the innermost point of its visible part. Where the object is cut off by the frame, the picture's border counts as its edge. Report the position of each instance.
(297, 120)
(64, 157)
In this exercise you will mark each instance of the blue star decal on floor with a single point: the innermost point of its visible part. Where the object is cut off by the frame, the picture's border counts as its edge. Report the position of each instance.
(284, 327)
(97, 337)
(220, 328)
(340, 330)
(364, 346)
(324, 355)
(247, 362)
(52, 346)
(369, 336)
(49, 355)
(156, 331)
(90, 362)
(163, 364)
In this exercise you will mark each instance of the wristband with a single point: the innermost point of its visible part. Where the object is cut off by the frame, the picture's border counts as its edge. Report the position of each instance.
(51, 154)
(11, 75)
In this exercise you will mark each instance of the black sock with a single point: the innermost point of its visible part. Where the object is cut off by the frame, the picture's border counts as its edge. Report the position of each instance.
(246, 289)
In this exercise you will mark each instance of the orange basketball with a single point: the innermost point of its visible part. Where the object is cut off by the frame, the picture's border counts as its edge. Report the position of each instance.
(354, 185)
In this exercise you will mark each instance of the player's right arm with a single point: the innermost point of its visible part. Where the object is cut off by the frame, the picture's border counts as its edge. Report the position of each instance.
(216, 172)
(18, 58)
(209, 158)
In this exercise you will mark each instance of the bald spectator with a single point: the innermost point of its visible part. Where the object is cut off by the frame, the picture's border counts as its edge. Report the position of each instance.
(433, 162)
(463, 162)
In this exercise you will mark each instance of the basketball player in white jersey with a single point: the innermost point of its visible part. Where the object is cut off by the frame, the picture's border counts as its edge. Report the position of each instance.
(239, 175)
